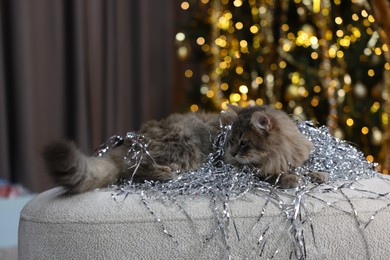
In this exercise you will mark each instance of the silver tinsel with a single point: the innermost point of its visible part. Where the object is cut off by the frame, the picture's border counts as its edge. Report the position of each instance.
(222, 183)
(334, 156)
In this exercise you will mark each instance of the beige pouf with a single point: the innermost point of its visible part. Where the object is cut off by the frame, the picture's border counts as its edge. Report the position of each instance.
(350, 222)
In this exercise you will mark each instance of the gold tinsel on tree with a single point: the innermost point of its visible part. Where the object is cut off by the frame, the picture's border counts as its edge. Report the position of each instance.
(382, 13)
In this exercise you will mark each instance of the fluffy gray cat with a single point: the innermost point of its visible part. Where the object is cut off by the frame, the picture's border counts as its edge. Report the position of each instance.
(261, 137)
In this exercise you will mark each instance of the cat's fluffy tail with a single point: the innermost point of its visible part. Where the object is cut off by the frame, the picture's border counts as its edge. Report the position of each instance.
(77, 172)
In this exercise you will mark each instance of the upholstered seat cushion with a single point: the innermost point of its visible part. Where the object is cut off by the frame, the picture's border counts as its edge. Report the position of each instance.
(337, 222)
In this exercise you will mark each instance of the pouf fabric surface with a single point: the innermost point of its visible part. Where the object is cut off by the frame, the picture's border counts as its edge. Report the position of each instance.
(342, 221)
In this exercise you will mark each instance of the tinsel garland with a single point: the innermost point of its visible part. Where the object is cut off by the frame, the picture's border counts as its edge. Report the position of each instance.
(334, 156)
(222, 182)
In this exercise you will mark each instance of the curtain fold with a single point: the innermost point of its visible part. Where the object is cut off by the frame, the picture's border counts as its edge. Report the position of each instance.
(82, 70)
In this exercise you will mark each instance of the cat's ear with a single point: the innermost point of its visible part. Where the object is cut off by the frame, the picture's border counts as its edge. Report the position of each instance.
(234, 109)
(261, 121)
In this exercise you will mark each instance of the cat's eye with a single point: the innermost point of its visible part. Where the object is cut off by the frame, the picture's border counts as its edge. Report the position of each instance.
(244, 144)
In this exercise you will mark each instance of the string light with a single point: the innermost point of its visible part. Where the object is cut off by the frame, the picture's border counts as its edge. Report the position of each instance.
(188, 73)
(185, 5)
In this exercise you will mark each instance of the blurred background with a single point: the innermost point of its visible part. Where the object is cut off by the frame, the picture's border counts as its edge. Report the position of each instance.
(88, 69)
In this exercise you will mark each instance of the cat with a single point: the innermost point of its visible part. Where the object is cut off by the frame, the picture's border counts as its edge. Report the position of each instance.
(261, 137)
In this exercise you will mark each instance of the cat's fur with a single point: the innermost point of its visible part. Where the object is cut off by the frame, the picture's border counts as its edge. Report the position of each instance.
(261, 137)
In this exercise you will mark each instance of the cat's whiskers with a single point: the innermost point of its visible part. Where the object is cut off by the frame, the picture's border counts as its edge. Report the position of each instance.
(247, 162)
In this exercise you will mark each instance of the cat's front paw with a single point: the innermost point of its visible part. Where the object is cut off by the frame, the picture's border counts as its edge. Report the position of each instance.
(163, 173)
(318, 177)
(288, 181)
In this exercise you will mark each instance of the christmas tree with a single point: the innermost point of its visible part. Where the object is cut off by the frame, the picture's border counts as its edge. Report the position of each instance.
(319, 60)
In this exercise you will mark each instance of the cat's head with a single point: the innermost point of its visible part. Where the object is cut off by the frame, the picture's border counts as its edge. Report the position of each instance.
(265, 138)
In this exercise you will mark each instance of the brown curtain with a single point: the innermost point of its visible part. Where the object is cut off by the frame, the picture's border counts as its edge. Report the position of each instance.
(82, 70)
